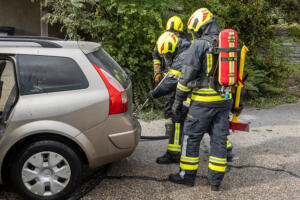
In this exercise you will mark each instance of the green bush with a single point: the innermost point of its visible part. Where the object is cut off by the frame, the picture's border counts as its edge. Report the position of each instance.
(129, 29)
(288, 8)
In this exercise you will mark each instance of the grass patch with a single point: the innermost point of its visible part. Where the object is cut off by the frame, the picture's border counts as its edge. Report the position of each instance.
(271, 101)
(149, 115)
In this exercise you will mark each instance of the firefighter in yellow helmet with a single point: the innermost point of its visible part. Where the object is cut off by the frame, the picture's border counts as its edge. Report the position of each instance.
(208, 111)
(175, 26)
(172, 49)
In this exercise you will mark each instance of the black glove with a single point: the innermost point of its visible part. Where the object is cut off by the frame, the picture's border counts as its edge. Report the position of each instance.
(176, 108)
(150, 94)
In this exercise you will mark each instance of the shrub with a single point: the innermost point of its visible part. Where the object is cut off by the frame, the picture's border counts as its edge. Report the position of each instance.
(129, 29)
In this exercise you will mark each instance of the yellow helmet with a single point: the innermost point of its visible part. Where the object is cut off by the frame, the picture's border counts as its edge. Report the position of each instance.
(174, 24)
(167, 43)
(199, 18)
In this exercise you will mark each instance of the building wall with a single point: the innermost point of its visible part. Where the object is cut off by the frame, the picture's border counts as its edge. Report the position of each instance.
(21, 14)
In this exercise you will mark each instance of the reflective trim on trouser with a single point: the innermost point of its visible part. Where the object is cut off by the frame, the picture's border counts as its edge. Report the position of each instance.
(217, 164)
(174, 147)
(189, 159)
(217, 160)
(177, 133)
(189, 163)
(228, 144)
(189, 166)
(217, 168)
(175, 140)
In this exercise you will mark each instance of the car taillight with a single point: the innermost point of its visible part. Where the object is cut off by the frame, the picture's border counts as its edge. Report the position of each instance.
(117, 94)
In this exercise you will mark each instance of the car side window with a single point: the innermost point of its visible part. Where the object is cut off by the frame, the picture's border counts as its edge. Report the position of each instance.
(43, 74)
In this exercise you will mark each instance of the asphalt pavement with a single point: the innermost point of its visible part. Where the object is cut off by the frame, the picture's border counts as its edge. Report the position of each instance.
(266, 165)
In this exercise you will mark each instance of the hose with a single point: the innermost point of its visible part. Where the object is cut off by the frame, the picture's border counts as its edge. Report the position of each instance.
(154, 137)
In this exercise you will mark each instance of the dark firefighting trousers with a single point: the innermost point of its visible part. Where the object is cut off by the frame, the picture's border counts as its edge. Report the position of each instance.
(175, 138)
(169, 100)
(199, 120)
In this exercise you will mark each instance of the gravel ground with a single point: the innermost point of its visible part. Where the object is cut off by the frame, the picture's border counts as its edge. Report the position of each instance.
(272, 143)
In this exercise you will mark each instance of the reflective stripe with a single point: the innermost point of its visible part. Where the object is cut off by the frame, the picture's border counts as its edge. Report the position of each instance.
(188, 100)
(183, 88)
(168, 121)
(209, 98)
(184, 145)
(188, 167)
(177, 133)
(228, 144)
(156, 62)
(217, 160)
(208, 63)
(174, 72)
(205, 92)
(231, 65)
(189, 159)
(176, 148)
(216, 167)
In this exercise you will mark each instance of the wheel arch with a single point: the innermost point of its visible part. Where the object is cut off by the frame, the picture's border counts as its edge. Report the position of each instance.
(34, 138)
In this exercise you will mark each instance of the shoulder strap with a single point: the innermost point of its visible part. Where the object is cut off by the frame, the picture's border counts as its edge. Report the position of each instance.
(212, 40)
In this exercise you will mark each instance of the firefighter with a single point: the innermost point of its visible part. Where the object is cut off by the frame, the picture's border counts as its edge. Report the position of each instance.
(172, 50)
(175, 26)
(209, 111)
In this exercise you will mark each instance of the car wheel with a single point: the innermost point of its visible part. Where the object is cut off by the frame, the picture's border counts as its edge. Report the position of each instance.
(46, 170)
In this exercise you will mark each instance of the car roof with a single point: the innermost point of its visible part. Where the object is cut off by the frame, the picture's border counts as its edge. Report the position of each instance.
(46, 42)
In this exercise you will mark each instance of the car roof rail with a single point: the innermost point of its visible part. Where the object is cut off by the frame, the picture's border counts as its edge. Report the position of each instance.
(33, 37)
(43, 41)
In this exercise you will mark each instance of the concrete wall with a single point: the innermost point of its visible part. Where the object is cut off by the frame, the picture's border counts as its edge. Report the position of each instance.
(21, 14)
(293, 46)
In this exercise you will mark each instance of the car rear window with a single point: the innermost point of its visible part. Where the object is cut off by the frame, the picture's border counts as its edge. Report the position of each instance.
(101, 58)
(43, 74)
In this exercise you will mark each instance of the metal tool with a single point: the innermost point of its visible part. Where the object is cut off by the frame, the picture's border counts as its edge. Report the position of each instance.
(142, 106)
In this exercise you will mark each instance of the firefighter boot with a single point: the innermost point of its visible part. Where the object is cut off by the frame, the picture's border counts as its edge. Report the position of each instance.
(230, 155)
(215, 188)
(188, 180)
(168, 158)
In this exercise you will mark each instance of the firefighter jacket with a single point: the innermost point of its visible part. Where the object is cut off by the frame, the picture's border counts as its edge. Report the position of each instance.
(170, 83)
(197, 65)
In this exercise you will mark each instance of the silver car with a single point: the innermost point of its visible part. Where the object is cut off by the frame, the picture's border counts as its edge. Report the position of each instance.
(63, 104)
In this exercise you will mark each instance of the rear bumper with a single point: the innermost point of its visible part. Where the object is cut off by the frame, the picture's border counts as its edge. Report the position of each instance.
(126, 140)
(112, 140)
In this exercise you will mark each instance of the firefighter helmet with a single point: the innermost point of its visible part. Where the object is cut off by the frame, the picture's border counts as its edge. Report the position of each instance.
(167, 43)
(174, 24)
(199, 18)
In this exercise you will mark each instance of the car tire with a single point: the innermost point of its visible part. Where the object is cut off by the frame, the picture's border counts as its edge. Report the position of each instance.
(46, 170)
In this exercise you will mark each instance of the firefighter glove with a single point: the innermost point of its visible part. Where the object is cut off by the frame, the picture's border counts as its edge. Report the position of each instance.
(157, 77)
(150, 94)
(176, 108)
